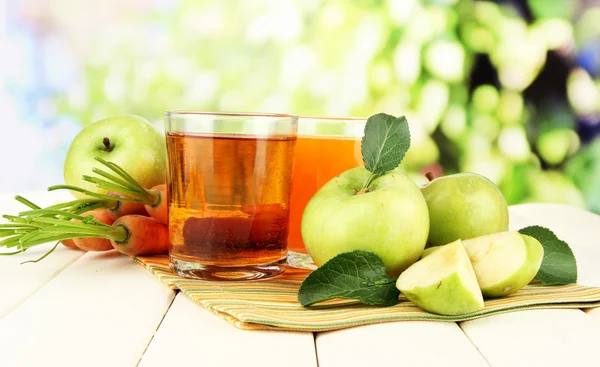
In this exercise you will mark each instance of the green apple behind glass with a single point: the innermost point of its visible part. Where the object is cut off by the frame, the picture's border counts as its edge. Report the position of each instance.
(370, 208)
(129, 141)
(390, 220)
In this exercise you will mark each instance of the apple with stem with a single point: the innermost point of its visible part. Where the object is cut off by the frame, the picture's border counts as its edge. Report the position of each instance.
(370, 208)
(463, 206)
(390, 220)
(127, 140)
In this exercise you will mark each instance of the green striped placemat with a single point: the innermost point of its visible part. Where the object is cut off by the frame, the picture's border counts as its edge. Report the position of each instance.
(273, 304)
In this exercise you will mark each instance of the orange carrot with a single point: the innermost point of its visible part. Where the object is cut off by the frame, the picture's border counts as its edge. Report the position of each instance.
(124, 207)
(135, 199)
(144, 236)
(70, 244)
(130, 234)
(92, 243)
(159, 210)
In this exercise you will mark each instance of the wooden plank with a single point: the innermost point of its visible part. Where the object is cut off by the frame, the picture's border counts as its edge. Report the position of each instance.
(545, 337)
(19, 281)
(413, 343)
(536, 338)
(192, 335)
(100, 311)
(594, 313)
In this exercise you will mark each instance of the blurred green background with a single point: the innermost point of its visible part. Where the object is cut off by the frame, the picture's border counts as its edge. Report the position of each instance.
(508, 89)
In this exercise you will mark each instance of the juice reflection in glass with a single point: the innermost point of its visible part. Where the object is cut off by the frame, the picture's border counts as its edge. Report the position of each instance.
(229, 188)
(325, 147)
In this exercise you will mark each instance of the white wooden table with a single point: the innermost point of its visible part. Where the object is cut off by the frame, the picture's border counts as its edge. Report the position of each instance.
(101, 309)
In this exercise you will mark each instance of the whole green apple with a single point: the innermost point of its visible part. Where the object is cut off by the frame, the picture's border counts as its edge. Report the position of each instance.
(503, 262)
(463, 206)
(390, 219)
(127, 140)
(443, 282)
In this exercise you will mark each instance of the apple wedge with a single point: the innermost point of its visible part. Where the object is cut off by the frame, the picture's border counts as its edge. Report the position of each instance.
(443, 283)
(429, 250)
(504, 262)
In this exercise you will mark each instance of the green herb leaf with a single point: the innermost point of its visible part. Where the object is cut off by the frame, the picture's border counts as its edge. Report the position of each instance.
(559, 265)
(386, 141)
(355, 275)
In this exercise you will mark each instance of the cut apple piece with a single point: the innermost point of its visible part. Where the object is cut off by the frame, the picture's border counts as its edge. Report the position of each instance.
(429, 250)
(443, 283)
(504, 262)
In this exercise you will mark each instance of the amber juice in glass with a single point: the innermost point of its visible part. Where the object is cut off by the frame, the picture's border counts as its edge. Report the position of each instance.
(229, 191)
(325, 147)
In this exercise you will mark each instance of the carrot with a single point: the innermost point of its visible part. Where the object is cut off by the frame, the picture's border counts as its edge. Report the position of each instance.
(125, 207)
(92, 243)
(144, 236)
(126, 202)
(120, 182)
(130, 234)
(70, 244)
(115, 204)
(160, 209)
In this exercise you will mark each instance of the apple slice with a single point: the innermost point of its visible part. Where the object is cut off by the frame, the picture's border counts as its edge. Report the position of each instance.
(429, 250)
(444, 282)
(504, 262)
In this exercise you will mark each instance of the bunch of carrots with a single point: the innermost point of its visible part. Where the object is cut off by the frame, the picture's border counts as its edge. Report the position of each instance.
(129, 218)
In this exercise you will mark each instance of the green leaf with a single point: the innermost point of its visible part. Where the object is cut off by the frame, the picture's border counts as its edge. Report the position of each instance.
(355, 275)
(385, 142)
(559, 265)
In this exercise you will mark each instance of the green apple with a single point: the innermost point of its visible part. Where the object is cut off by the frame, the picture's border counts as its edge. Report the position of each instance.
(390, 219)
(127, 140)
(443, 282)
(463, 206)
(503, 262)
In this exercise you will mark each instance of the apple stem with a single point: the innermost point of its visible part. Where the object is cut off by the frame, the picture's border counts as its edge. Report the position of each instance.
(365, 187)
(429, 176)
(362, 191)
(106, 142)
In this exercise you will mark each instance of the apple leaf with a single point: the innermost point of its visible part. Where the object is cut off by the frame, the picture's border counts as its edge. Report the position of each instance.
(559, 265)
(356, 275)
(386, 141)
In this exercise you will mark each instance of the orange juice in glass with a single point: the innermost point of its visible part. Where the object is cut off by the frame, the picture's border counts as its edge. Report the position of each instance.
(325, 147)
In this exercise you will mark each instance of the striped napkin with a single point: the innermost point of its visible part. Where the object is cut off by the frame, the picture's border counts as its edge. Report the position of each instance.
(273, 304)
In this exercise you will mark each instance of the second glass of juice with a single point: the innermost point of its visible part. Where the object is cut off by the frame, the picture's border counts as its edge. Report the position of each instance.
(325, 147)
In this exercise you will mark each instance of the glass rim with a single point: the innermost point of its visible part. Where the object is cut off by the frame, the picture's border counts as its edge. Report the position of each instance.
(331, 118)
(170, 113)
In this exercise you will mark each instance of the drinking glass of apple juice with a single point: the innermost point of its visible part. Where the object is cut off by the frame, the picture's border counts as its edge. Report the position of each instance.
(326, 147)
(229, 187)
